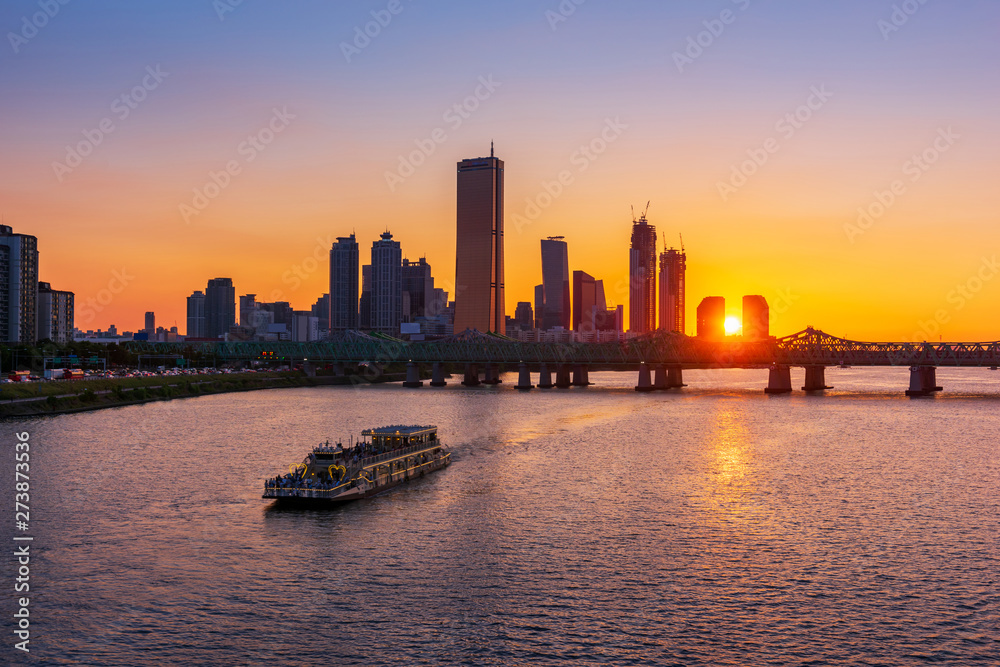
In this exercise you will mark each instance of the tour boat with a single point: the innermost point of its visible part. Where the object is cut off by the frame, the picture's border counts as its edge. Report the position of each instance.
(384, 457)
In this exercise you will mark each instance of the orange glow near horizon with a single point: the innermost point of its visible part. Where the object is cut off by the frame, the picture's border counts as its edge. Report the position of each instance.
(873, 219)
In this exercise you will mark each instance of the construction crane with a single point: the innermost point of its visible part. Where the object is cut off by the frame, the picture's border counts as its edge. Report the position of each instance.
(646, 211)
(682, 242)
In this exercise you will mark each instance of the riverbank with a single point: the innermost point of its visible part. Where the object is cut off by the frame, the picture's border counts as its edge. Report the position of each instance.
(51, 398)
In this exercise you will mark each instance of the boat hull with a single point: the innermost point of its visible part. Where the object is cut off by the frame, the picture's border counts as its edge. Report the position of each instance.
(320, 498)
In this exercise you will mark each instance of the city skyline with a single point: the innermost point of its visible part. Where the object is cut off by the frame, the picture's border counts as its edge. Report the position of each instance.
(814, 188)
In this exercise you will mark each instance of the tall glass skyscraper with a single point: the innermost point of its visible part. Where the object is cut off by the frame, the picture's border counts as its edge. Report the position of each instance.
(673, 264)
(642, 277)
(555, 280)
(479, 293)
(344, 284)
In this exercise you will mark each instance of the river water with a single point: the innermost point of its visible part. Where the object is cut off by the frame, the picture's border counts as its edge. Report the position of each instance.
(712, 525)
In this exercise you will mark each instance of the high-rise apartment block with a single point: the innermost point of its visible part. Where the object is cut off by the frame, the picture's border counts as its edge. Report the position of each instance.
(18, 287)
(386, 285)
(55, 314)
(196, 315)
(642, 277)
(220, 307)
(343, 312)
(673, 264)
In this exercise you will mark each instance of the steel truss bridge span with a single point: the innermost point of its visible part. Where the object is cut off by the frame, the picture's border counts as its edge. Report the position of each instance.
(810, 347)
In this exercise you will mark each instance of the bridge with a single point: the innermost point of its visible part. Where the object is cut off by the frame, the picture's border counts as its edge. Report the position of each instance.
(660, 358)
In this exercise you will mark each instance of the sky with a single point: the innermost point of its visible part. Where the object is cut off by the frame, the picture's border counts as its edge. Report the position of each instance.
(834, 157)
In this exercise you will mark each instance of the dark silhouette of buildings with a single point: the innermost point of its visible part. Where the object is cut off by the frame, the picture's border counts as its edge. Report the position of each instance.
(539, 305)
(524, 317)
(673, 264)
(220, 307)
(18, 286)
(55, 314)
(712, 318)
(386, 285)
(642, 277)
(756, 316)
(479, 271)
(365, 303)
(418, 289)
(196, 315)
(342, 313)
(555, 281)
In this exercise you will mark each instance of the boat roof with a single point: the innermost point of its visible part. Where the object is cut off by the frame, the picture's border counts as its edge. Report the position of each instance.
(399, 430)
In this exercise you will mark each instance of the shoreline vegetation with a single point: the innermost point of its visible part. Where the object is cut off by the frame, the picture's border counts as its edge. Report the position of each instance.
(35, 399)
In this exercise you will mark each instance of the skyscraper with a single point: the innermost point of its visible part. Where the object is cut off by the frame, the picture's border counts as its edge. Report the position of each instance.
(18, 286)
(419, 285)
(150, 322)
(524, 316)
(55, 314)
(387, 285)
(642, 277)
(555, 280)
(365, 303)
(479, 286)
(248, 304)
(585, 301)
(196, 315)
(673, 264)
(343, 314)
(220, 307)
(755, 317)
(712, 318)
(539, 305)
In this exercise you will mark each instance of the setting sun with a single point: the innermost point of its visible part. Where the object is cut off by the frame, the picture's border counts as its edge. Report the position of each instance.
(733, 325)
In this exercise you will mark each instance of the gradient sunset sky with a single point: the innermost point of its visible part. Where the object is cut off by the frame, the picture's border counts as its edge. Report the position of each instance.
(687, 92)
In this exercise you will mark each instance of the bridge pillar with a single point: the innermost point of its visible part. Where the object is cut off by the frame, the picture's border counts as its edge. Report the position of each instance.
(471, 376)
(562, 377)
(816, 378)
(645, 384)
(437, 375)
(923, 381)
(779, 380)
(675, 377)
(931, 378)
(545, 378)
(660, 378)
(581, 377)
(413, 376)
(524, 377)
(492, 374)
